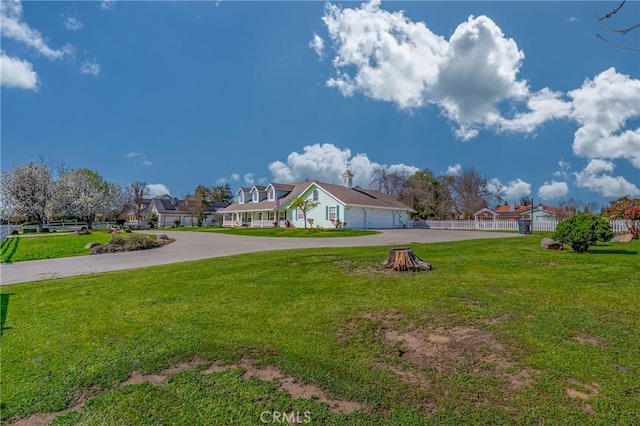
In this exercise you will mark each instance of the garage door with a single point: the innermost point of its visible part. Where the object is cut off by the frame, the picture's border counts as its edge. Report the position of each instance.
(380, 219)
(355, 218)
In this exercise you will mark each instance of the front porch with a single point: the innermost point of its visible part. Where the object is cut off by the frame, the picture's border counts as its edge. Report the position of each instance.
(263, 219)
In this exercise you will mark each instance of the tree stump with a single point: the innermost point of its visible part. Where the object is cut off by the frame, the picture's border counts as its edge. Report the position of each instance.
(404, 259)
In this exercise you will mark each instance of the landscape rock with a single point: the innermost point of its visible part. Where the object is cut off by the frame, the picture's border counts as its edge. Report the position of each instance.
(551, 244)
(91, 245)
(624, 238)
(162, 237)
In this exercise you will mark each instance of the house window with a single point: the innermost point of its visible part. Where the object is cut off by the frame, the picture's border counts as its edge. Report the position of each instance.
(315, 195)
(255, 197)
(281, 215)
(272, 194)
(332, 213)
(241, 198)
(300, 214)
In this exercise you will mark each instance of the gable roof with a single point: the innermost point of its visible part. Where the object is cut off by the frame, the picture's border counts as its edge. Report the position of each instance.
(347, 196)
(282, 186)
(175, 206)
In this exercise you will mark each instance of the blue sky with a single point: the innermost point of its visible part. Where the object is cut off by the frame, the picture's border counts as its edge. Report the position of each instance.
(185, 93)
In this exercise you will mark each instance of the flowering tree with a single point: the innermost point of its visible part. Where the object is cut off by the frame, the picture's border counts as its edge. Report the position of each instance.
(627, 209)
(86, 194)
(27, 191)
(304, 206)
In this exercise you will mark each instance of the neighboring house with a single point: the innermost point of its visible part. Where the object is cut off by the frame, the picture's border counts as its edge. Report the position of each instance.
(168, 210)
(264, 206)
(144, 208)
(518, 211)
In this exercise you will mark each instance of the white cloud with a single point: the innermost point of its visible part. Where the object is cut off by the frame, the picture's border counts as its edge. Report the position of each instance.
(395, 59)
(564, 168)
(90, 68)
(388, 57)
(157, 189)
(143, 158)
(235, 177)
(517, 189)
(602, 106)
(553, 190)
(595, 177)
(17, 73)
(543, 106)
(73, 23)
(473, 78)
(326, 163)
(108, 5)
(454, 170)
(221, 181)
(15, 28)
(317, 44)
(514, 190)
(249, 179)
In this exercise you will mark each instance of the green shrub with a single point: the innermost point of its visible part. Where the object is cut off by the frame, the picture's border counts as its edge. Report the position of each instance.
(140, 242)
(118, 240)
(583, 230)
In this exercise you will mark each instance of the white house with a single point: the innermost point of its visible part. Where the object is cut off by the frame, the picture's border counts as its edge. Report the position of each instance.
(356, 208)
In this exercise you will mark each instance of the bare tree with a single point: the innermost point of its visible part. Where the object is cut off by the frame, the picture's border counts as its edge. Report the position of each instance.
(27, 191)
(135, 194)
(192, 205)
(471, 192)
(391, 183)
(618, 31)
(569, 207)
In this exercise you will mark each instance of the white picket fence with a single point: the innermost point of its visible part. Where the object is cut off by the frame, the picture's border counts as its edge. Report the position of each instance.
(500, 225)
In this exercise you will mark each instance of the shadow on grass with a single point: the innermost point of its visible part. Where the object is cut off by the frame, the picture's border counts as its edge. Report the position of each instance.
(4, 305)
(8, 249)
(617, 251)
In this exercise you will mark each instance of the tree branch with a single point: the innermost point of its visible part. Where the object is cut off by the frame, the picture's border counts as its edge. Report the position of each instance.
(613, 12)
(621, 46)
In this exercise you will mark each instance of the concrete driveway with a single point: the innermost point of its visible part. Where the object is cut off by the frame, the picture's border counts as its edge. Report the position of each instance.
(205, 245)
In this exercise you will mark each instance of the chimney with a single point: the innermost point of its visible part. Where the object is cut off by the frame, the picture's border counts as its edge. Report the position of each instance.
(347, 178)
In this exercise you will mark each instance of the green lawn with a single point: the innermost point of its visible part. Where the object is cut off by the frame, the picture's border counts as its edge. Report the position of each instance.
(567, 324)
(283, 232)
(16, 249)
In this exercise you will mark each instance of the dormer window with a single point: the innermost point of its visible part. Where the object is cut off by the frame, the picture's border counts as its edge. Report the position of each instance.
(271, 194)
(315, 195)
(254, 197)
(241, 198)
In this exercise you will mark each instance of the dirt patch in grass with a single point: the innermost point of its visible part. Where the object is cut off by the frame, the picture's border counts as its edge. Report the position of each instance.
(38, 419)
(551, 264)
(440, 349)
(497, 320)
(294, 388)
(158, 379)
(584, 391)
(585, 339)
(365, 268)
(446, 350)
